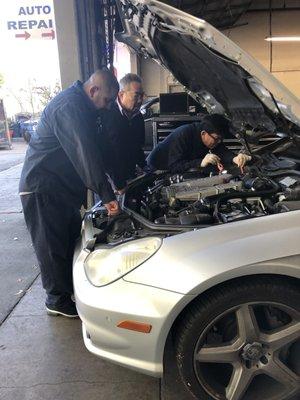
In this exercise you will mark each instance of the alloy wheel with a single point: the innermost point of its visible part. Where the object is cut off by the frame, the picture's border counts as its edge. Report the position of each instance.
(248, 353)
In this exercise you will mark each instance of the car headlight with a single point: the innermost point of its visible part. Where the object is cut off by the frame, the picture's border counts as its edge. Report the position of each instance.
(104, 266)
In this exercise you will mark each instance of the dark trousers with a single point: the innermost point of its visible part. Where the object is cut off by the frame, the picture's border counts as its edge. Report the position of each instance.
(54, 226)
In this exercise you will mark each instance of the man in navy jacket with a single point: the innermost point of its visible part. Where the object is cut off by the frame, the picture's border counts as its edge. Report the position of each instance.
(125, 132)
(62, 161)
(195, 146)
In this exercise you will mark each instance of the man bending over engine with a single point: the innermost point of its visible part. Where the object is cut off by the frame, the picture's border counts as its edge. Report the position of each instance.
(196, 146)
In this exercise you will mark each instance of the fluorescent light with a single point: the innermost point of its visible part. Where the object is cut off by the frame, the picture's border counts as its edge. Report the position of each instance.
(283, 39)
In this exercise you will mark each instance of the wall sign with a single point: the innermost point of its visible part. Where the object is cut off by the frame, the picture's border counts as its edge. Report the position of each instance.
(34, 22)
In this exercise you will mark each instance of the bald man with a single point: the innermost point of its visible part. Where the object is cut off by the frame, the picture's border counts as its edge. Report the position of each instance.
(62, 161)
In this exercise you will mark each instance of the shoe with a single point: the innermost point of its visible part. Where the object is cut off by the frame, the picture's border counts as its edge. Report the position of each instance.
(66, 310)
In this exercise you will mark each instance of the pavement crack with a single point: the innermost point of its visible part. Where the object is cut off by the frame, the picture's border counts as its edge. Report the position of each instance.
(11, 212)
(31, 315)
(66, 383)
(15, 166)
(18, 301)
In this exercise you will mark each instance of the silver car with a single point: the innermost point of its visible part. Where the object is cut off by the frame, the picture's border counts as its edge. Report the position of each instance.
(210, 262)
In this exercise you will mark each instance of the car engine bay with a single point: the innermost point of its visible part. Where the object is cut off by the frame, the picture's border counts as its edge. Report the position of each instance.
(166, 204)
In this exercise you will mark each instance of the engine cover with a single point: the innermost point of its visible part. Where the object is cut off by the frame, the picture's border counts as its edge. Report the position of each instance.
(196, 189)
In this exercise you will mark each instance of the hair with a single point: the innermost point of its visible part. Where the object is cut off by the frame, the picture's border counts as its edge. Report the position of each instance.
(128, 79)
(103, 75)
(216, 123)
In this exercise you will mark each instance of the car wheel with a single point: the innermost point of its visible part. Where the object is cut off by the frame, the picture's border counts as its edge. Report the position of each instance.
(241, 341)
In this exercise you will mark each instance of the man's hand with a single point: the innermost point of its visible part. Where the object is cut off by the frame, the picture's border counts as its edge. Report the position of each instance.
(210, 159)
(241, 159)
(112, 207)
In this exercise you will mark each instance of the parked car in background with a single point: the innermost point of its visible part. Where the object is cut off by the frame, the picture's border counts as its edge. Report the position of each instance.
(28, 128)
(208, 261)
(5, 139)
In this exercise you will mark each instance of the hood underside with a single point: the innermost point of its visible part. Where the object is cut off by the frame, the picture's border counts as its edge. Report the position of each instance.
(221, 14)
(216, 72)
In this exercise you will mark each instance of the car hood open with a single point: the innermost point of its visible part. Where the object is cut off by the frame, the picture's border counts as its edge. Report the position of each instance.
(215, 71)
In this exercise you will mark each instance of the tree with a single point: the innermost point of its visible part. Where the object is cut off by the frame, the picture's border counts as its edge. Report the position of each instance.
(31, 98)
(46, 93)
(1, 80)
(17, 95)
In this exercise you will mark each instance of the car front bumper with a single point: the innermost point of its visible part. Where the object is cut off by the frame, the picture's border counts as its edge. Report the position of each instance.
(101, 309)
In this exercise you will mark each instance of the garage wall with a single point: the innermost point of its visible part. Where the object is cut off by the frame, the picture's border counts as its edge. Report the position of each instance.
(67, 41)
(154, 77)
(282, 59)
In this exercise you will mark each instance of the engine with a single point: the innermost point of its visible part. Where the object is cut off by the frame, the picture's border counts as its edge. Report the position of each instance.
(166, 204)
(189, 200)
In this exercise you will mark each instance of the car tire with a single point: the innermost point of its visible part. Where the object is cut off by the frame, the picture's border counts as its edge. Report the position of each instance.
(222, 340)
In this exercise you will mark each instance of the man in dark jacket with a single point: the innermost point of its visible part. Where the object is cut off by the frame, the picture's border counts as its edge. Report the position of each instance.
(61, 162)
(195, 146)
(125, 128)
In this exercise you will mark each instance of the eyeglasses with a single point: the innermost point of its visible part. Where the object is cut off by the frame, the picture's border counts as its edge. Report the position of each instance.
(217, 138)
(136, 95)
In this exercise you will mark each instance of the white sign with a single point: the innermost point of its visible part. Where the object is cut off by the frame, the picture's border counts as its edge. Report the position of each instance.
(35, 22)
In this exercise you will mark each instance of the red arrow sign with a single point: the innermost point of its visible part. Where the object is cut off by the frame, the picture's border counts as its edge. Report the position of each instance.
(24, 35)
(49, 34)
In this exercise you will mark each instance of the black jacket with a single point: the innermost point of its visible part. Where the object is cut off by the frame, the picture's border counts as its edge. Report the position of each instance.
(124, 140)
(183, 149)
(64, 157)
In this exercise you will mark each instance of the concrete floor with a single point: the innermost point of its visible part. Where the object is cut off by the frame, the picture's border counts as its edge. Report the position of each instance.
(43, 357)
(18, 266)
(9, 158)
